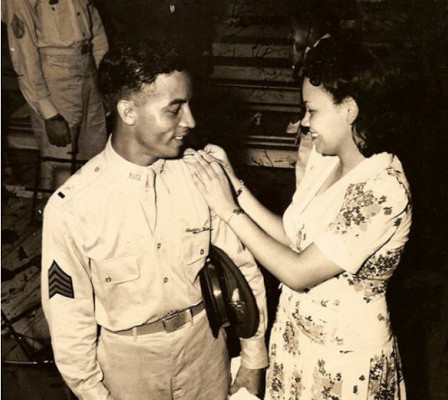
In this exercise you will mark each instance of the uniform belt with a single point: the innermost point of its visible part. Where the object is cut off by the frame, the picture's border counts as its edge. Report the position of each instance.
(170, 323)
(83, 48)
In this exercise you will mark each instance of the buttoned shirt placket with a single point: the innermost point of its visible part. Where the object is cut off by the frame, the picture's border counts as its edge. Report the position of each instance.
(156, 206)
(150, 199)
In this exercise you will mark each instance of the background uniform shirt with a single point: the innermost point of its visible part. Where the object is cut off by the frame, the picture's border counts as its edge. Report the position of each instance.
(122, 267)
(37, 24)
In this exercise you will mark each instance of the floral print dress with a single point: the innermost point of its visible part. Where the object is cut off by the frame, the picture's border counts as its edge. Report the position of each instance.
(334, 341)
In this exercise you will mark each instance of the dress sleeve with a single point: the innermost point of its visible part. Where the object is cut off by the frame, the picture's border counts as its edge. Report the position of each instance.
(68, 304)
(370, 216)
(253, 350)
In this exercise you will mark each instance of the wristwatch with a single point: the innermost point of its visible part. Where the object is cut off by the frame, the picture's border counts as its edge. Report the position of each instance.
(235, 211)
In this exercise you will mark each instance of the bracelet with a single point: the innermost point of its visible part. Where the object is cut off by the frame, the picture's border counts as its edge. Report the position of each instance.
(240, 189)
(235, 211)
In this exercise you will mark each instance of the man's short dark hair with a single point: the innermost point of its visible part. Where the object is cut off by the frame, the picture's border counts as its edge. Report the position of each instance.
(129, 66)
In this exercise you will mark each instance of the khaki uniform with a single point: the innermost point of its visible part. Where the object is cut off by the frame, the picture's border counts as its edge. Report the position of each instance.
(122, 246)
(55, 48)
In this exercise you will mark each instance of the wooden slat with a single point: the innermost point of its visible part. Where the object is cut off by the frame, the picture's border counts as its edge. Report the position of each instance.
(20, 131)
(260, 8)
(253, 73)
(25, 249)
(21, 113)
(21, 292)
(13, 211)
(34, 330)
(268, 142)
(261, 95)
(35, 326)
(21, 229)
(269, 157)
(293, 110)
(24, 230)
(231, 28)
(250, 50)
(262, 62)
(22, 139)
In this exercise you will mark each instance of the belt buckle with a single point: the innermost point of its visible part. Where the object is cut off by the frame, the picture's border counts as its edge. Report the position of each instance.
(172, 322)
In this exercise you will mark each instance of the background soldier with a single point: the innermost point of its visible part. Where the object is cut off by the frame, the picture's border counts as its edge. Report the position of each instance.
(55, 46)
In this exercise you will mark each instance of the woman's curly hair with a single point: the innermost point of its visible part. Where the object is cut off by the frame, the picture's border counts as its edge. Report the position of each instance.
(131, 65)
(348, 69)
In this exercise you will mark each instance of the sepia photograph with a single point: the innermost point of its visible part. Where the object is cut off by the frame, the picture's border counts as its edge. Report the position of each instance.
(224, 199)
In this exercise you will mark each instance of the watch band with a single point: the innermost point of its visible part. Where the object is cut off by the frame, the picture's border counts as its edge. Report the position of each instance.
(240, 189)
(235, 211)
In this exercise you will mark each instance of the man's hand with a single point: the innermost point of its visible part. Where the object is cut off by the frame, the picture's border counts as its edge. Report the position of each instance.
(251, 379)
(58, 131)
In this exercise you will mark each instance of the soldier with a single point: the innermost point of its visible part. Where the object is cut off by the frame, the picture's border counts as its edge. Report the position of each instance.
(55, 47)
(123, 242)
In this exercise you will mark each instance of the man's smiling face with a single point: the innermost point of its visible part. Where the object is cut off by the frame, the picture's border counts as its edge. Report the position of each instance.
(163, 117)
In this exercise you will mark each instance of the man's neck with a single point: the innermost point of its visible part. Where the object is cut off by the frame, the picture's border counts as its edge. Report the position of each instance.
(126, 149)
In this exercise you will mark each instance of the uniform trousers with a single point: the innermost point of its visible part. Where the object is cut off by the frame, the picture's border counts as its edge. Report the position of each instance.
(187, 364)
(71, 82)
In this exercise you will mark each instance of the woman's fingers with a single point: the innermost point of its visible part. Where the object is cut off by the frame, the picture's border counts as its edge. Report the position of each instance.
(213, 149)
(206, 167)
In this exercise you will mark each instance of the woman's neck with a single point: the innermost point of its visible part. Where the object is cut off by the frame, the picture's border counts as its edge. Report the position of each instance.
(350, 161)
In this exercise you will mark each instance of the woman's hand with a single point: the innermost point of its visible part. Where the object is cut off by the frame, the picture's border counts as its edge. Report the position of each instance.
(211, 180)
(220, 155)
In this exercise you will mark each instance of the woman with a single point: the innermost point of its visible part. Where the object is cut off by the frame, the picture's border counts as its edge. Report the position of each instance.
(339, 242)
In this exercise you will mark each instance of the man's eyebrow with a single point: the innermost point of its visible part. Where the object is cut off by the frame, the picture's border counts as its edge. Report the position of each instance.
(177, 101)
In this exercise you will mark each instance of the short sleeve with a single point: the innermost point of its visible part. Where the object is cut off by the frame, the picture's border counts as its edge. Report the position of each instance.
(370, 217)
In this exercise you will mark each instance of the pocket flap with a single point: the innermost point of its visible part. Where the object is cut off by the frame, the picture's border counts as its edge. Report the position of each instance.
(118, 270)
(195, 247)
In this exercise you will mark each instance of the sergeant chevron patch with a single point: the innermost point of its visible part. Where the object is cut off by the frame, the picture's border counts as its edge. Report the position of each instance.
(59, 282)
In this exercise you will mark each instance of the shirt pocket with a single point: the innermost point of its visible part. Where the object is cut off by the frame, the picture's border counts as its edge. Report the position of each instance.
(117, 285)
(195, 247)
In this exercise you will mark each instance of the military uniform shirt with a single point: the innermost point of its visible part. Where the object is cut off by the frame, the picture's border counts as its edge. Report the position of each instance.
(39, 24)
(122, 246)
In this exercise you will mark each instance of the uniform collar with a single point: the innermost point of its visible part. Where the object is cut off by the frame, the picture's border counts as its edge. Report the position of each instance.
(128, 169)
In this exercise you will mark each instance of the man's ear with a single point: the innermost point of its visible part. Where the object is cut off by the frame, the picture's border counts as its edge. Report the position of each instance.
(352, 109)
(126, 110)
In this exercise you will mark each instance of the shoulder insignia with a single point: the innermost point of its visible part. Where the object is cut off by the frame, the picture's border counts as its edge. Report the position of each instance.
(59, 282)
(18, 27)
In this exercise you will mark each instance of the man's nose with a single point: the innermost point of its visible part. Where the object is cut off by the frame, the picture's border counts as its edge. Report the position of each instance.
(188, 120)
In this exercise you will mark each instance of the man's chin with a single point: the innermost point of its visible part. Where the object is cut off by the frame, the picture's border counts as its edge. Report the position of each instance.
(174, 153)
